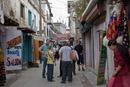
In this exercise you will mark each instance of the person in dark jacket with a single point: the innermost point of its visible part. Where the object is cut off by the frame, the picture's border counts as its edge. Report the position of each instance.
(79, 49)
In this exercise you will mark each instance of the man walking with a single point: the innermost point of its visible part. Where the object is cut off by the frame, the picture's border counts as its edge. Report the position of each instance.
(43, 50)
(65, 53)
(60, 75)
(79, 49)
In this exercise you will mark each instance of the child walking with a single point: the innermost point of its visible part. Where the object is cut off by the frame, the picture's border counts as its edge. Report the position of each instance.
(50, 64)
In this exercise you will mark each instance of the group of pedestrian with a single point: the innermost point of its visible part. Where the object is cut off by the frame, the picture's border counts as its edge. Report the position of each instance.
(68, 56)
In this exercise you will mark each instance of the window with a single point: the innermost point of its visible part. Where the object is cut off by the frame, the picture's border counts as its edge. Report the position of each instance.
(22, 11)
(34, 20)
(29, 18)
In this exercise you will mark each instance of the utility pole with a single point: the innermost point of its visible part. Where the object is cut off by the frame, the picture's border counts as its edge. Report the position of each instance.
(40, 24)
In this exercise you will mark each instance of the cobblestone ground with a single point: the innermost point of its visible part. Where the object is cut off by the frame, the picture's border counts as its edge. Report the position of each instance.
(33, 78)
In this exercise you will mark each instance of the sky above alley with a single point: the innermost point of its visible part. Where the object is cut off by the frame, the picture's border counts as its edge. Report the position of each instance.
(59, 10)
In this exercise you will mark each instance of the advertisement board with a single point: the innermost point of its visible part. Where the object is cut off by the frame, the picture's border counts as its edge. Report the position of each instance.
(102, 61)
(13, 50)
(61, 36)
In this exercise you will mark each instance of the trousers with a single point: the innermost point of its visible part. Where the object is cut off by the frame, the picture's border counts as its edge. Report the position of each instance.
(44, 66)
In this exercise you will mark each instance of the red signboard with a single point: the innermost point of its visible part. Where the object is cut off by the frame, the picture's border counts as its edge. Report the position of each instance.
(61, 36)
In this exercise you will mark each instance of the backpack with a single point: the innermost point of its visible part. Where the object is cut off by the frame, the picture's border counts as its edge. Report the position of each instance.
(74, 55)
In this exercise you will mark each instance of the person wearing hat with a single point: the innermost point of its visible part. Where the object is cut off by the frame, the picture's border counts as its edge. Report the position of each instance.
(50, 64)
(65, 55)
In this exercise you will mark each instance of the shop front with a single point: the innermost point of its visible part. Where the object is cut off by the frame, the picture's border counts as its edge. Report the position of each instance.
(27, 45)
(94, 30)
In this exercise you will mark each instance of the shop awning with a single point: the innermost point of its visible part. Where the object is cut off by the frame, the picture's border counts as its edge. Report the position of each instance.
(86, 28)
(90, 6)
(26, 29)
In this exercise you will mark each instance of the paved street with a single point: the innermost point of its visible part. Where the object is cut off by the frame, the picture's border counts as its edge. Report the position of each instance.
(33, 78)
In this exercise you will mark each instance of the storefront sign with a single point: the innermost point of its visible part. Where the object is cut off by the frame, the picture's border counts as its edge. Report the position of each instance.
(40, 38)
(2, 68)
(61, 36)
(102, 61)
(13, 50)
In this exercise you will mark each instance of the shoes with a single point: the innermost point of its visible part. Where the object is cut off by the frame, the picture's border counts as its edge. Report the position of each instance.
(83, 69)
(44, 77)
(74, 73)
(62, 82)
(79, 69)
(59, 76)
(51, 81)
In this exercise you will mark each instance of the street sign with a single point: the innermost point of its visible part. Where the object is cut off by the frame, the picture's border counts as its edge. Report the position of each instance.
(102, 61)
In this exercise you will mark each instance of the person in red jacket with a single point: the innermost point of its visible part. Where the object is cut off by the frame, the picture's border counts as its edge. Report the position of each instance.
(121, 64)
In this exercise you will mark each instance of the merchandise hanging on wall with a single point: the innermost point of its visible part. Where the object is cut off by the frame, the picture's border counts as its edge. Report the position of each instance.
(2, 69)
(123, 27)
(118, 28)
(13, 50)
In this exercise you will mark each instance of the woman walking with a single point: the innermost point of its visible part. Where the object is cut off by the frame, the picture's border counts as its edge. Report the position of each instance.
(121, 64)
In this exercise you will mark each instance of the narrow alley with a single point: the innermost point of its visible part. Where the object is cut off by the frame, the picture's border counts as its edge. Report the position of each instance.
(91, 35)
(33, 78)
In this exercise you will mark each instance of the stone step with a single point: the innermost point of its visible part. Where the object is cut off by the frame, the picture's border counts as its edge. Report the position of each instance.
(91, 78)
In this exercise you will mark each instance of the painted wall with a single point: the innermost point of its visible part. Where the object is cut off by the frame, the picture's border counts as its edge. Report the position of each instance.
(96, 32)
(88, 49)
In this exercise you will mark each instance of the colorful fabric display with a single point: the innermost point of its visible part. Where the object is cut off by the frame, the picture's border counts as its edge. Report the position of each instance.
(119, 28)
(122, 25)
(2, 69)
(112, 33)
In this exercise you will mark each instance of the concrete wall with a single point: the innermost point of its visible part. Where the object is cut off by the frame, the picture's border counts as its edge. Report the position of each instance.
(12, 9)
(96, 33)
(88, 49)
(62, 29)
(73, 27)
(109, 52)
(28, 7)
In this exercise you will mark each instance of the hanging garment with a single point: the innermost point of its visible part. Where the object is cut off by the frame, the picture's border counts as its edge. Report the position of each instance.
(123, 28)
(122, 25)
(2, 69)
(112, 33)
